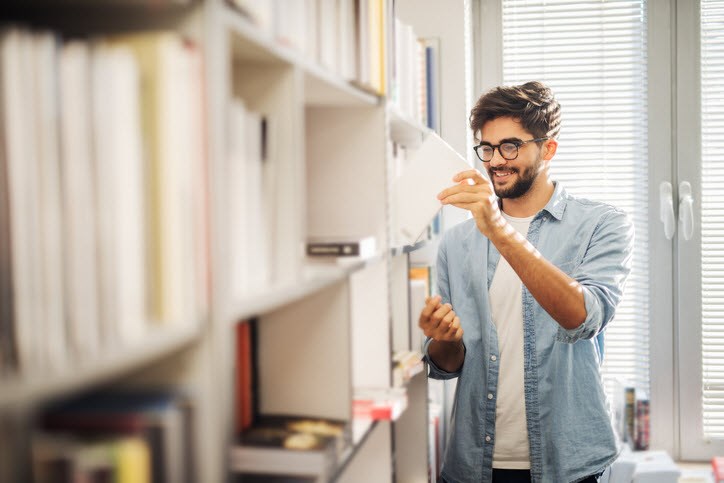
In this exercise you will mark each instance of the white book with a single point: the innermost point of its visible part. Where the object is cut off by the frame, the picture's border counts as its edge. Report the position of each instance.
(398, 72)
(258, 232)
(261, 12)
(409, 66)
(346, 53)
(289, 23)
(21, 172)
(328, 42)
(120, 184)
(53, 330)
(311, 31)
(79, 200)
(430, 170)
(236, 206)
(364, 74)
(179, 133)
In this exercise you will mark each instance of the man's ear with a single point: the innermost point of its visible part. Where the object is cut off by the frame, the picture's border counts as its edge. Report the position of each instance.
(549, 148)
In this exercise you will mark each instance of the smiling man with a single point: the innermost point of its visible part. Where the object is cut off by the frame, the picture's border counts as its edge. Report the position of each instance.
(526, 288)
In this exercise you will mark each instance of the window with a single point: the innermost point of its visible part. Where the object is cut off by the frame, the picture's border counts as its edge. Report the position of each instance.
(712, 216)
(594, 56)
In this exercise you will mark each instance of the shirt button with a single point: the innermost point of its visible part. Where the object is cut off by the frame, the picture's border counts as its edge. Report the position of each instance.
(487, 438)
(490, 395)
(493, 358)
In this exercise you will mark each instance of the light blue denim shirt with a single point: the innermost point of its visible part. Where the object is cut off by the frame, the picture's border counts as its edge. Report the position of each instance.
(569, 429)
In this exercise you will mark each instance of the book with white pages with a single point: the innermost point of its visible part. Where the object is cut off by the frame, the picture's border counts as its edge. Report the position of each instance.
(79, 200)
(430, 170)
(51, 336)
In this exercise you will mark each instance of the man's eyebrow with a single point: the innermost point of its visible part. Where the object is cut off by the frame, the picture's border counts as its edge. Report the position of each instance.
(506, 140)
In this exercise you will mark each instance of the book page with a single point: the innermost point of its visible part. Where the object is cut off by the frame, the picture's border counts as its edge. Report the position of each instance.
(429, 171)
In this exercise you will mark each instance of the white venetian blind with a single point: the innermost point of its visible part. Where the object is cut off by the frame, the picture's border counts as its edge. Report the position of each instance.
(712, 215)
(593, 55)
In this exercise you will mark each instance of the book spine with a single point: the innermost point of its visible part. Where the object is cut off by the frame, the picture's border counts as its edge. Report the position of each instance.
(333, 249)
(717, 467)
(630, 413)
(642, 425)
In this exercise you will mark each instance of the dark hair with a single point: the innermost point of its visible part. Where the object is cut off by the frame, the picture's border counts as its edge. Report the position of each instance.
(532, 104)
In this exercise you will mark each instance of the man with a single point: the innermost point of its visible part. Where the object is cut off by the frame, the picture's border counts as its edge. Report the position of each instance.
(526, 286)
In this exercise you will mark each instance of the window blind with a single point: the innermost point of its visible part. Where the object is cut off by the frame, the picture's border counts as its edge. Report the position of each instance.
(593, 55)
(712, 215)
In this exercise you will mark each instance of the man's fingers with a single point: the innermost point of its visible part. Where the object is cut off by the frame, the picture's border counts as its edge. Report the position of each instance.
(440, 313)
(448, 319)
(472, 174)
(453, 190)
(462, 198)
(431, 303)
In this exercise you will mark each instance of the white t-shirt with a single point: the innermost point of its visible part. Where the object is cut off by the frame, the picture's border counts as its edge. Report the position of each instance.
(506, 307)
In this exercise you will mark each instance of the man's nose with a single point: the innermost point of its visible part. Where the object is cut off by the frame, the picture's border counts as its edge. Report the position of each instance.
(497, 159)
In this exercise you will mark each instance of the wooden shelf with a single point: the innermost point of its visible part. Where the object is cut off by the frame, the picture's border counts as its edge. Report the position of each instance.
(115, 362)
(322, 87)
(316, 276)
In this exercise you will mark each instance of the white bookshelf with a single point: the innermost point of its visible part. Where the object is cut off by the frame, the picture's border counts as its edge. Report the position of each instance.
(323, 328)
(161, 343)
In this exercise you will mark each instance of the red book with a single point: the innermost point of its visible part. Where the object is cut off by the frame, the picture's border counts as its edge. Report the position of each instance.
(717, 466)
(244, 377)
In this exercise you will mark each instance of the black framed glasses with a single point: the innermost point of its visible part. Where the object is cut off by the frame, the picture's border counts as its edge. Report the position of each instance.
(508, 150)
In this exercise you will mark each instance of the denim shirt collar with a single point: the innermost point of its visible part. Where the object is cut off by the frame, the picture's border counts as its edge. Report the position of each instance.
(556, 206)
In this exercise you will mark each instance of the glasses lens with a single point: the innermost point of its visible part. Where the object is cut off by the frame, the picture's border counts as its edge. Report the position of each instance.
(509, 150)
(485, 153)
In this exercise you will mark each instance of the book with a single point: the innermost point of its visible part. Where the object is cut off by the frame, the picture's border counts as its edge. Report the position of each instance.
(290, 445)
(159, 418)
(717, 468)
(169, 70)
(430, 169)
(642, 424)
(386, 403)
(340, 247)
(64, 458)
(119, 183)
(44, 61)
(79, 200)
(630, 415)
(245, 375)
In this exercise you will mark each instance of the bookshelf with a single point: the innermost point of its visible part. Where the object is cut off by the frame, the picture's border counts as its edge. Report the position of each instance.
(248, 144)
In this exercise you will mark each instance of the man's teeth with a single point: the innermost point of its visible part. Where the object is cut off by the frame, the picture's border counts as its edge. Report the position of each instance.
(503, 173)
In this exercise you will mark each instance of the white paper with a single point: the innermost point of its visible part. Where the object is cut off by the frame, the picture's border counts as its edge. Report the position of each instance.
(429, 171)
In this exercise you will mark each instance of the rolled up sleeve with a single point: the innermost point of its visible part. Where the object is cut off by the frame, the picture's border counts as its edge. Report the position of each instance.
(602, 274)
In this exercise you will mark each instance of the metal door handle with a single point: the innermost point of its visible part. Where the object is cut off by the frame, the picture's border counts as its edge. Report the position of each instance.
(686, 210)
(667, 209)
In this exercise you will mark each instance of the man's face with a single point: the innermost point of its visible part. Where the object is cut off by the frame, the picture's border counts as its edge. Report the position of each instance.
(512, 178)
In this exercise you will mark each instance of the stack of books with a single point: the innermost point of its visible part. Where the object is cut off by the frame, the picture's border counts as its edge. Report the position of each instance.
(291, 446)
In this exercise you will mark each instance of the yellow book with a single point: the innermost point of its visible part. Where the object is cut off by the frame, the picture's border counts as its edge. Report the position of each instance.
(133, 461)
(376, 45)
(170, 80)
(383, 46)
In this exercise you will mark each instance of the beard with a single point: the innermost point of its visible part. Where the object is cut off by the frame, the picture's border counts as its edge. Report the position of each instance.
(523, 183)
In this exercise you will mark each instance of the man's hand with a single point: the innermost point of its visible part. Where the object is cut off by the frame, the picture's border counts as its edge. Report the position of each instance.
(475, 193)
(439, 322)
